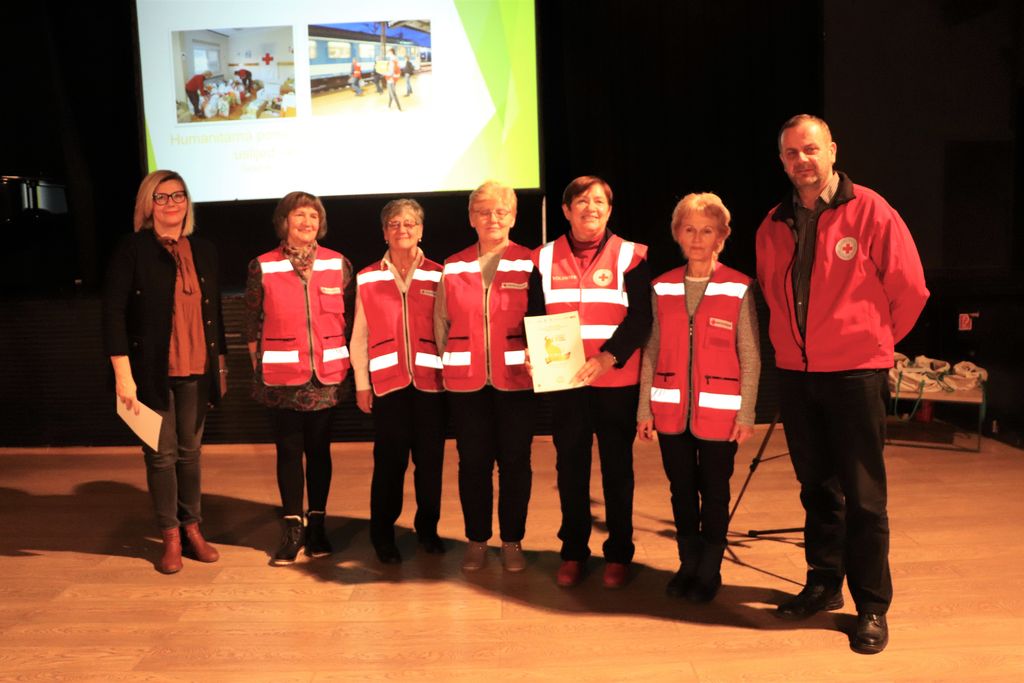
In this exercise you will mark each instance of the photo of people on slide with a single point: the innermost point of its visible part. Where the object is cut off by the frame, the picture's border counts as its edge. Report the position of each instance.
(369, 66)
(234, 74)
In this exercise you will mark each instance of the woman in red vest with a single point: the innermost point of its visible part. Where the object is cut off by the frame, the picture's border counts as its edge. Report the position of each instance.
(297, 296)
(478, 323)
(605, 278)
(699, 387)
(393, 350)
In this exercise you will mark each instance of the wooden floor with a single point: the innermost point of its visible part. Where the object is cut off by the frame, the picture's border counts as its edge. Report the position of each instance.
(81, 600)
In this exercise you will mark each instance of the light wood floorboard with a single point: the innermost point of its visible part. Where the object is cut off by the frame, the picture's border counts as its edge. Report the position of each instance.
(81, 600)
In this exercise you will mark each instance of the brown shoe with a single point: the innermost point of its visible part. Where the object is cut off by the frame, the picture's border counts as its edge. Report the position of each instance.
(170, 563)
(569, 574)
(475, 557)
(512, 557)
(616, 574)
(197, 547)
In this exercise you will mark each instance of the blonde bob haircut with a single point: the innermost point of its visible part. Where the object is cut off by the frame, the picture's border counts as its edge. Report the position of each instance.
(144, 202)
(707, 204)
(492, 189)
(297, 200)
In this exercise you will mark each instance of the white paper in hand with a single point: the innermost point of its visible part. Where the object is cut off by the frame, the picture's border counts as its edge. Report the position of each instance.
(146, 424)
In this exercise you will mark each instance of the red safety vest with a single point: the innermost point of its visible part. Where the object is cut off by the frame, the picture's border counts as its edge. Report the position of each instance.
(357, 69)
(599, 294)
(713, 367)
(303, 322)
(401, 328)
(486, 327)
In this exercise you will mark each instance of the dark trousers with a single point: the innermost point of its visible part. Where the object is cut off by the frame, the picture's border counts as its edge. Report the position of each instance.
(577, 415)
(297, 432)
(406, 421)
(493, 426)
(698, 474)
(172, 471)
(193, 98)
(835, 428)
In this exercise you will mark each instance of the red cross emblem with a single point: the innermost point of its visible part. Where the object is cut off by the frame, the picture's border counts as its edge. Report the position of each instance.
(603, 277)
(846, 248)
(267, 59)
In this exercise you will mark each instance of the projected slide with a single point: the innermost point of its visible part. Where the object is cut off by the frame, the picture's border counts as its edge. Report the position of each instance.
(253, 99)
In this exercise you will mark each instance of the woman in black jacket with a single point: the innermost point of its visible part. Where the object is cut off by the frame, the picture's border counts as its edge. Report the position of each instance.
(163, 331)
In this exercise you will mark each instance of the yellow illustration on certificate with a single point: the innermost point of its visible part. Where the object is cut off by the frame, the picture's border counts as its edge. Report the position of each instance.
(556, 350)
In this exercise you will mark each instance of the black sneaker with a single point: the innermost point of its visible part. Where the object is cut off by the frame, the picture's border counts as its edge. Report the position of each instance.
(317, 544)
(291, 544)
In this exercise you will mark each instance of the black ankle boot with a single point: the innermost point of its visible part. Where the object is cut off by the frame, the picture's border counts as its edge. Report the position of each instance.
(291, 542)
(708, 578)
(317, 544)
(690, 550)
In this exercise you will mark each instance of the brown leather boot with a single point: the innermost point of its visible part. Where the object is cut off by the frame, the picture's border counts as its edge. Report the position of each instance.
(170, 563)
(198, 547)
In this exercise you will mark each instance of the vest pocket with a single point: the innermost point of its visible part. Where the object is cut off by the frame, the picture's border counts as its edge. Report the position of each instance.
(719, 339)
(332, 303)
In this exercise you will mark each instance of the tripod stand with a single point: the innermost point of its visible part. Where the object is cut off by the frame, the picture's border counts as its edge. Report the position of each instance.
(755, 533)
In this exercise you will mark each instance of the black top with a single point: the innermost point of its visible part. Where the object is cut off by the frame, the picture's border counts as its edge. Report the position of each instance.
(138, 306)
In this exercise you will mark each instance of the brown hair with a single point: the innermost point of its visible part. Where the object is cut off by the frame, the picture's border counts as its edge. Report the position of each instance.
(581, 185)
(144, 201)
(397, 206)
(794, 121)
(297, 200)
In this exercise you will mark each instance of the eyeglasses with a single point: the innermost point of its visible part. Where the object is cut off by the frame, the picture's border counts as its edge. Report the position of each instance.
(395, 225)
(486, 213)
(161, 198)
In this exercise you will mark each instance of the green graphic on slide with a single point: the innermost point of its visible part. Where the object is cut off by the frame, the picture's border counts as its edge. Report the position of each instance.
(503, 38)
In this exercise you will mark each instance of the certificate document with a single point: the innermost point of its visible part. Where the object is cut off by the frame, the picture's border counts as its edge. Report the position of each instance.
(146, 424)
(556, 350)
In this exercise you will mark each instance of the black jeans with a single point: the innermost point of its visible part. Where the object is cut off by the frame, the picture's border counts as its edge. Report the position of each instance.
(172, 471)
(835, 428)
(406, 421)
(577, 415)
(494, 426)
(698, 474)
(297, 432)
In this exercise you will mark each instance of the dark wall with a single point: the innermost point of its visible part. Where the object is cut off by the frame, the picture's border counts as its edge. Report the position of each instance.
(660, 98)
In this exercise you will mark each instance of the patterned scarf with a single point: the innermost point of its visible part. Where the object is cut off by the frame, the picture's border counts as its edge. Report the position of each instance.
(301, 257)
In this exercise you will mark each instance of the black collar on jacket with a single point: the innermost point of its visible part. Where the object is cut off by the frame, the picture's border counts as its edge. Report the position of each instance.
(786, 213)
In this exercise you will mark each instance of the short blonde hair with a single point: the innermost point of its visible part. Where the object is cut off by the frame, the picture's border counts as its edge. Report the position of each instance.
(496, 190)
(707, 204)
(297, 200)
(144, 201)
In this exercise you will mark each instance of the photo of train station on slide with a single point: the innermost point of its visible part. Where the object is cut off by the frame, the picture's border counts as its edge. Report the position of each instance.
(369, 66)
(234, 74)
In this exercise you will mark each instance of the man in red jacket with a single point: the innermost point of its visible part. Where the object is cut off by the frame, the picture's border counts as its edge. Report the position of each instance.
(844, 283)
